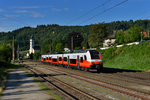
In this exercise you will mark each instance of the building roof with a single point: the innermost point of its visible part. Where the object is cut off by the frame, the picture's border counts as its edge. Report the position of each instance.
(112, 36)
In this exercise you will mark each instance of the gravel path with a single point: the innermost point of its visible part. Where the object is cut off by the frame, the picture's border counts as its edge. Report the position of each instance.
(21, 87)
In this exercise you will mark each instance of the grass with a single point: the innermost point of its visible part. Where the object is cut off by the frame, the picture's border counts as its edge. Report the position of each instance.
(134, 57)
(3, 76)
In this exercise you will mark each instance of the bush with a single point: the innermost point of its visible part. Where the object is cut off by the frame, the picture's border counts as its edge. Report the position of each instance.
(5, 53)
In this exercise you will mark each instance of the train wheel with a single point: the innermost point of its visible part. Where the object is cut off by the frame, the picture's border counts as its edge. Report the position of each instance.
(86, 69)
(99, 69)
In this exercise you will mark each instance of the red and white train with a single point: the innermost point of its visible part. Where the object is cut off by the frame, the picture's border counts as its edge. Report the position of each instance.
(87, 59)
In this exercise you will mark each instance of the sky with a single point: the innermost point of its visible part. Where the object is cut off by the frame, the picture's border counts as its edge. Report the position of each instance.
(15, 14)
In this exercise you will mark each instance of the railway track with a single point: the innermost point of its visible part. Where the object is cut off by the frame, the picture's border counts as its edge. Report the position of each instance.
(122, 89)
(128, 79)
(68, 90)
(142, 79)
(143, 95)
(137, 75)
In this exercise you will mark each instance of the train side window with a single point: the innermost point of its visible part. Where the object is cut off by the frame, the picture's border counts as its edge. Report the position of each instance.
(85, 57)
(49, 58)
(73, 61)
(46, 58)
(81, 59)
(65, 58)
(60, 59)
(54, 60)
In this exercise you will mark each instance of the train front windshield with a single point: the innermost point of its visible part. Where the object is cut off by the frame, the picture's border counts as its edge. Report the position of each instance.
(94, 54)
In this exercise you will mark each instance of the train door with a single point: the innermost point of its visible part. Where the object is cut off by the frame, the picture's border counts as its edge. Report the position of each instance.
(57, 60)
(68, 61)
(78, 62)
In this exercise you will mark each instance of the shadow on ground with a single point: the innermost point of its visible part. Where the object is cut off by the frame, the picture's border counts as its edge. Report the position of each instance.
(114, 70)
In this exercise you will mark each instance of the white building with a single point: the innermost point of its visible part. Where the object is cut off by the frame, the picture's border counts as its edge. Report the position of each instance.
(110, 40)
(66, 49)
(31, 50)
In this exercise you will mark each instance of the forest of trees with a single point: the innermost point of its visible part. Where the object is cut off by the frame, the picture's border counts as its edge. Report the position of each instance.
(53, 38)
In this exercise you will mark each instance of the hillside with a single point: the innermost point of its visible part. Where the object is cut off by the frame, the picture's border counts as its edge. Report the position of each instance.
(134, 57)
(53, 34)
(42, 32)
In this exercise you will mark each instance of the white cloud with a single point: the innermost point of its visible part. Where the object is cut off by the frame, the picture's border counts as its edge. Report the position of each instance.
(59, 10)
(29, 13)
(22, 11)
(2, 10)
(7, 16)
(36, 14)
(56, 9)
(66, 9)
(28, 7)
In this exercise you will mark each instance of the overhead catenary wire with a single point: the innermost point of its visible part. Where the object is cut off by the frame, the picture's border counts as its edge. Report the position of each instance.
(116, 5)
(101, 5)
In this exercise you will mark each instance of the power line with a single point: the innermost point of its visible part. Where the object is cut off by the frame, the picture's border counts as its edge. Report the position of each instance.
(103, 4)
(104, 11)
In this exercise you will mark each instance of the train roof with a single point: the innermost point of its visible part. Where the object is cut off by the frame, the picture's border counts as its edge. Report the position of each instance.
(76, 51)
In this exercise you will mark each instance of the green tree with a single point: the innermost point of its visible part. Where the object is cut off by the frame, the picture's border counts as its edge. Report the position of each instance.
(76, 38)
(46, 46)
(36, 55)
(135, 33)
(120, 36)
(127, 37)
(97, 34)
(59, 48)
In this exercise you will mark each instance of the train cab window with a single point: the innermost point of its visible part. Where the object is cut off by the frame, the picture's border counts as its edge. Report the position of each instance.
(94, 54)
(81, 59)
(65, 58)
(60, 59)
(85, 57)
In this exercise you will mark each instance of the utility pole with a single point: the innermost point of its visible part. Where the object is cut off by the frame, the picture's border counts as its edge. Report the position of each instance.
(13, 51)
(148, 34)
(72, 43)
(18, 52)
(50, 48)
(141, 36)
